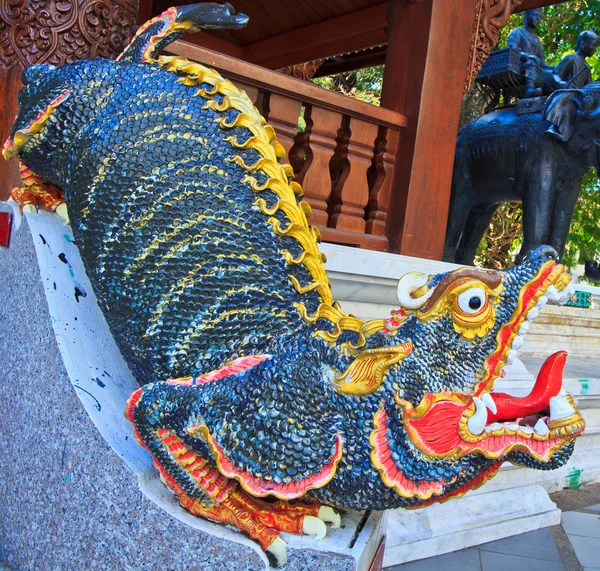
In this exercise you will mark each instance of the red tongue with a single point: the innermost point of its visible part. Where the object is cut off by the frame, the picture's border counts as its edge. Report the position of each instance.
(547, 385)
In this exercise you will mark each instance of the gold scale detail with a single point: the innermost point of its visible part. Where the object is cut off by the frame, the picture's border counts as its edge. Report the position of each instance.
(279, 176)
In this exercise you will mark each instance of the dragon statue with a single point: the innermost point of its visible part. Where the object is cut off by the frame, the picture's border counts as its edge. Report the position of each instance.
(264, 405)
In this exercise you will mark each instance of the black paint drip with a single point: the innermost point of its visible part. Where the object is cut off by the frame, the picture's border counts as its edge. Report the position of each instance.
(79, 293)
(99, 382)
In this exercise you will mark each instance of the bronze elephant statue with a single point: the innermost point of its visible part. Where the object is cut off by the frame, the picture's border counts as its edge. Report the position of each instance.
(537, 158)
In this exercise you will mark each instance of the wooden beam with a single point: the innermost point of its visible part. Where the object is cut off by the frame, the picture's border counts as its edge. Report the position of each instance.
(353, 62)
(530, 4)
(358, 30)
(9, 89)
(144, 11)
(216, 44)
(424, 80)
(304, 91)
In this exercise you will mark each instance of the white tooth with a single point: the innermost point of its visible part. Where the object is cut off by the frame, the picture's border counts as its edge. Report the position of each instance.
(526, 429)
(495, 426)
(488, 400)
(477, 422)
(542, 302)
(512, 355)
(553, 294)
(517, 342)
(524, 328)
(533, 314)
(560, 408)
(541, 427)
(562, 392)
(512, 427)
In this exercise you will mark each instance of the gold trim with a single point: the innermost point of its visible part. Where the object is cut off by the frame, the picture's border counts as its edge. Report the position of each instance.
(263, 141)
(367, 371)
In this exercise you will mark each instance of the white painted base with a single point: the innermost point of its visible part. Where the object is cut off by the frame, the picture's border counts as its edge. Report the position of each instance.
(474, 519)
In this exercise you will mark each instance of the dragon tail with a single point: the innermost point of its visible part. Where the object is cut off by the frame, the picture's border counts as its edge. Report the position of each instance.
(173, 23)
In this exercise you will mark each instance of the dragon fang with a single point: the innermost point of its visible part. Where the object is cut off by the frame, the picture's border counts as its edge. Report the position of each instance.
(254, 382)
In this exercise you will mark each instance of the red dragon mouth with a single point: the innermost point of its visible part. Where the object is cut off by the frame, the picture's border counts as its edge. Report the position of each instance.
(495, 424)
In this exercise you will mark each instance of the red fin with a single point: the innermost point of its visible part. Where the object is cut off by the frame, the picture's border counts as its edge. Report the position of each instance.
(237, 366)
(131, 404)
(390, 474)
(260, 487)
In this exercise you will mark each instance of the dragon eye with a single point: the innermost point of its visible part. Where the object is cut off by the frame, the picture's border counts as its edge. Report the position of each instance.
(472, 300)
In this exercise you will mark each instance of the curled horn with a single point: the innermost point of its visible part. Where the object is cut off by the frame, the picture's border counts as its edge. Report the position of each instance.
(410, 290)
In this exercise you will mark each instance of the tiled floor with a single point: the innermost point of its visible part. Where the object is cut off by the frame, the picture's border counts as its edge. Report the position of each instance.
(578, 538)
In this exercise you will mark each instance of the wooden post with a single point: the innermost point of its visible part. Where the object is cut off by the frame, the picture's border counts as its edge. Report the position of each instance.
(351, 191)
(425, 75)
(44, 34)
(319, 145)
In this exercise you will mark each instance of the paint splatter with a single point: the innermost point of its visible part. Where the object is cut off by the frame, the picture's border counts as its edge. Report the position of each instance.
(68, 238)
(574, 478)
(585, 387)
(79, 292)
(96, 404)
(44, 240)
(64, 260)
(99, 382)
(54, 284)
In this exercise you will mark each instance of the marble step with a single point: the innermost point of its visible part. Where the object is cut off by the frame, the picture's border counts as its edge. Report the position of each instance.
(584, 347)
(590, 409)
(467, 521)
(564, 315)
(558, 333)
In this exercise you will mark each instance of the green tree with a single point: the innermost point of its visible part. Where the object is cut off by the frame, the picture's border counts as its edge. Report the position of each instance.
(364, 84)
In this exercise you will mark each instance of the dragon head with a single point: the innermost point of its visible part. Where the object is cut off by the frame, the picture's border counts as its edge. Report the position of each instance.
(440, 406)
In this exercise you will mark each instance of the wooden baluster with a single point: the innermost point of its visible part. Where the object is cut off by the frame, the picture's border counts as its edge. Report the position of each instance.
(351, 191)
(283, 114)
(318, 144)
(386, 148)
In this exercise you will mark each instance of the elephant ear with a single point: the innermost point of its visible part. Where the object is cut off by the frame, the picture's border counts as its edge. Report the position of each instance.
(561, 110)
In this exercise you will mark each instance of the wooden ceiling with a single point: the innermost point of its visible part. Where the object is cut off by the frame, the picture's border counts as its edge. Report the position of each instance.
(287, 32)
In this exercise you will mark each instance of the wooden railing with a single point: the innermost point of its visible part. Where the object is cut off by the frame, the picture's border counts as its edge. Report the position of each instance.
(344, 158)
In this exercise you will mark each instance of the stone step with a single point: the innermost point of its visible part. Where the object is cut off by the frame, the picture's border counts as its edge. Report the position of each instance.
(543, 347)
(468, 521)
(562, 330)
(565, 315)
(590, 409)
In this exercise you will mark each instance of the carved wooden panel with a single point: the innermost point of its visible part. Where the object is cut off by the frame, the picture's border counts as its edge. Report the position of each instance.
(62, 31)
(490, 17)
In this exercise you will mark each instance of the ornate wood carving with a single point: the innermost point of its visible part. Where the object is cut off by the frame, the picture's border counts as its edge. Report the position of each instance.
(490, 17)
(303, 71)
(62, 31)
